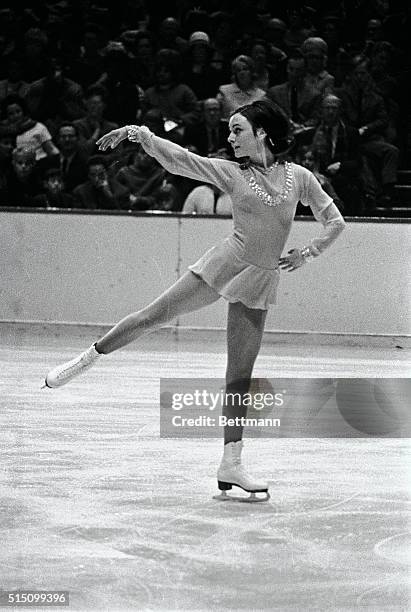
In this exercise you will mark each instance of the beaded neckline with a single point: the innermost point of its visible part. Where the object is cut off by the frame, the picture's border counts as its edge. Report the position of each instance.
(267, 198)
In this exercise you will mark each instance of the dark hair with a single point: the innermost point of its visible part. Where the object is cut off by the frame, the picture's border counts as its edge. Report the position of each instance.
(170, 59)
(97, 160)
(96, 90)
(272, 119)
(13, 99)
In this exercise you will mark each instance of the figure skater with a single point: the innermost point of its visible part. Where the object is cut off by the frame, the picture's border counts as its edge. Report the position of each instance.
(243, 268)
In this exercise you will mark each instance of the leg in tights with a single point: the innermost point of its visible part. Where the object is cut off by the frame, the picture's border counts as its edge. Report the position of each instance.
(189, 293)
(244, 334)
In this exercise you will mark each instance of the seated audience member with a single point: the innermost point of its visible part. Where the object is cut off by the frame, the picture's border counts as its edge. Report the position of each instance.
(144, 58)
(315, 52)
(101, 191)
(88, 66)
(91, 127)
(365, 110)
(125, 97)
(338, 147)
(274, 32)
(142, 177)
(7, 144)
(53, 194)
(14, 83)
(382, 67)
(209, 136)
(175, 100)
(299, 28)
(165, 198)
(55, 98)
(243, 89)
(265, 72)
(199, 75)
(168, 36)
(20, 181)
(207, 200)
(27, 132)
(72, 160)
(298, 100)
(310, 159)
(34, 54)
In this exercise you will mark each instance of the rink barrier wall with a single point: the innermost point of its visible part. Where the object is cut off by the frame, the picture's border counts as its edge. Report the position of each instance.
(93, 267)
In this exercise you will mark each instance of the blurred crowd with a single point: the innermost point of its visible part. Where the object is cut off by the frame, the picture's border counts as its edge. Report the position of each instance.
(72, 71)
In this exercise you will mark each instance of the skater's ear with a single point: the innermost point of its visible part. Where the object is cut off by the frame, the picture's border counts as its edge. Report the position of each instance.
(261, 133)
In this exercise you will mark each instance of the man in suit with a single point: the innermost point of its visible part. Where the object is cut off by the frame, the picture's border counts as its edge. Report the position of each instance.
(337, 147)
(209, 137)
(298, 100)
(101, 191)
(72, 159)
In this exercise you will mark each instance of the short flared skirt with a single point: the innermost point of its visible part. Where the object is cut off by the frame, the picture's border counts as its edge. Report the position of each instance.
(237, 280)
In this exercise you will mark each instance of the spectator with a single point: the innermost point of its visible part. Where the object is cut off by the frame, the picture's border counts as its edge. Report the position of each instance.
(55, 98)
(7, 144)
(298, 30)
(315, 52)
(20, 181)
(53, 194)
(274, 33)
(26, 131)
(207, 200)
(338, 149)
(100, 191)
(264, 71)
(142, 177)
(124, 96)
(243, 89)
(382, 68)
(14, 83)
(365, 110)
(165, 198)
(298, 100)
(199, 75)
(310, 159)
(88, 67)
(209, 136)
(144, 61)
(222, 35)
(35, 54)
(72, 160)
(168, 36)
(175, 100)
(91, 127)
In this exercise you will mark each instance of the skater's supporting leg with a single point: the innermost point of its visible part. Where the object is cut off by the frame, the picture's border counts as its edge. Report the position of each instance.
(244, 334)
(187, 294)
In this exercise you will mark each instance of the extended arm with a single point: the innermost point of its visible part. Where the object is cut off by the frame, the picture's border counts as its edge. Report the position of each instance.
(174, 158)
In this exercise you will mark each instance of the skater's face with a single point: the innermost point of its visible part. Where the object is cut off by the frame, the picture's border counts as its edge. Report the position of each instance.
(242, 138)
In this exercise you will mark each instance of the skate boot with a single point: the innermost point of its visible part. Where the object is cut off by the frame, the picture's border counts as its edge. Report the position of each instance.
(232, 473)
(60, 375)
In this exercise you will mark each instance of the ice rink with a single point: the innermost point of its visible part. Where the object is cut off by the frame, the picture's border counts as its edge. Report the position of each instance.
(94, 502)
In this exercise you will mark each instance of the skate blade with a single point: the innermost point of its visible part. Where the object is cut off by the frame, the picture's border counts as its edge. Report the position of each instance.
(45, 386)
(252, 499)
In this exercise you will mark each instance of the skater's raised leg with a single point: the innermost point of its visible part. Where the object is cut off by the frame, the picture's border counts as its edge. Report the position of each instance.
(188, 293)
(244, 334)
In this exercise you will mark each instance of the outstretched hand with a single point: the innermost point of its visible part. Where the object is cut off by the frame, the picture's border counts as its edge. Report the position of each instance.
(292, 261)
(112, 139)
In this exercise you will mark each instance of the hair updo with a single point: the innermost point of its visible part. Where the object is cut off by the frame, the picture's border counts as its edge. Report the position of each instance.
(272, 119)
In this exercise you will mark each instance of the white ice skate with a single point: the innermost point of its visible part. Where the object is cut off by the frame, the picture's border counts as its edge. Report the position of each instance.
(60, 375)
(232, 473)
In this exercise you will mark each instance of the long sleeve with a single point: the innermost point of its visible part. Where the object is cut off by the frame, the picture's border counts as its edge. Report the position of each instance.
(324, 211)
(177, 160)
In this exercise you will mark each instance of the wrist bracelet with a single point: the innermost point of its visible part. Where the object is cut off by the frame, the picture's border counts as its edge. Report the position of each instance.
(306, 254)
(132, 133)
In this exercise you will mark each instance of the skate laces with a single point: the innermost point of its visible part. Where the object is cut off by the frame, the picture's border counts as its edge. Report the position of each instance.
(84, 357)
